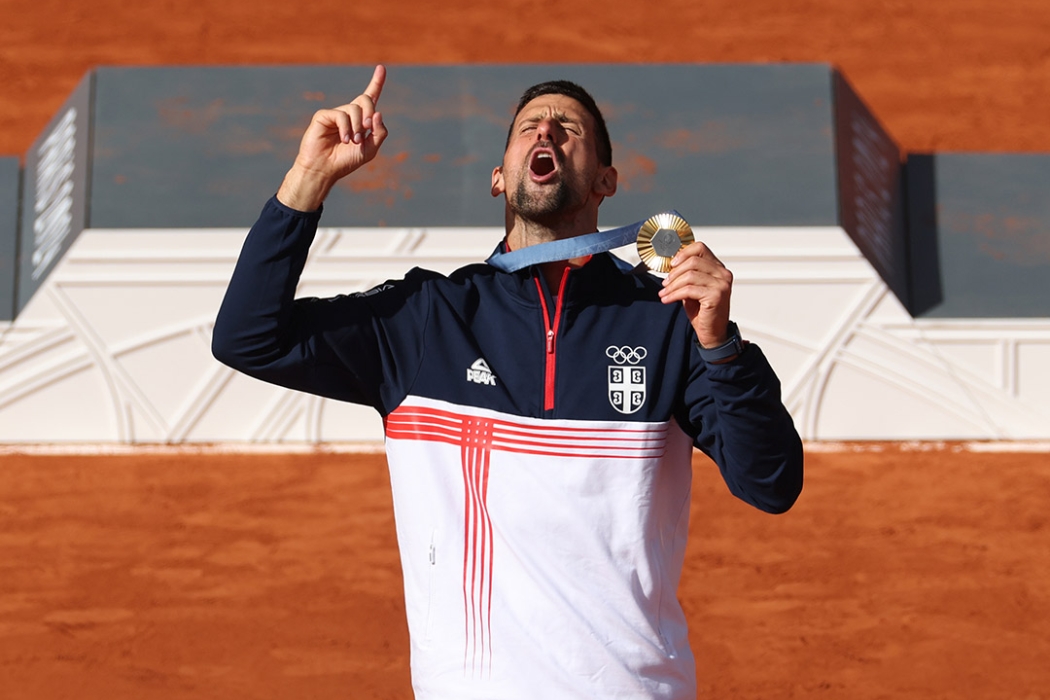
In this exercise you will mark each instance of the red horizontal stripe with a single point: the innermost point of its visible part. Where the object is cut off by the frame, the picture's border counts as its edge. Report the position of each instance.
(457, 419)
(414, 428)
(434, 425)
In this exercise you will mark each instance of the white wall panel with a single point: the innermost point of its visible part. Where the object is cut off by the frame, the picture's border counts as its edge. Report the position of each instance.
(1030, 381)
(115, 347)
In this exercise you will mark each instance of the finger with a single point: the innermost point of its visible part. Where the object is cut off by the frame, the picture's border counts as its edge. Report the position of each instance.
(699, 286)
(326, 121)
(670, 296)
(360, 121)
(696, 264)
(355, 122)
(366, 104)
(356, 118)
(687, 288)
(691, 293)
(379, 130)
(695, 249)
(375, 87)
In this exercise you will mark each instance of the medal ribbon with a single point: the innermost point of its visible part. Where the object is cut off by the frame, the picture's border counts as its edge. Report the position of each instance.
(567, 248)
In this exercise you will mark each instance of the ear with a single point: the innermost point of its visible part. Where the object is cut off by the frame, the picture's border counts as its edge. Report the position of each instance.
(605, 182)
(498, 186)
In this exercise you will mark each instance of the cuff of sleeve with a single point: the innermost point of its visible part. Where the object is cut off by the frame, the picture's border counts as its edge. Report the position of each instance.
(280, 206)
(728, 350)
(750, 365)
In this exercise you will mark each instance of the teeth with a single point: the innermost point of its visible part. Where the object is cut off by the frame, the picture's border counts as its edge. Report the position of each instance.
(543, 155)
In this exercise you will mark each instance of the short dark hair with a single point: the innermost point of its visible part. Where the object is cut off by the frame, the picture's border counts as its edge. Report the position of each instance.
(569, 89)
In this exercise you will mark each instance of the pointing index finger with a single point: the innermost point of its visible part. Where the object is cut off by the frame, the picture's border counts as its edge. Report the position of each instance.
(375, 87)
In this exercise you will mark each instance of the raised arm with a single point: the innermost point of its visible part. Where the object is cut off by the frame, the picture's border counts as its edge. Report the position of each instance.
(331, 347)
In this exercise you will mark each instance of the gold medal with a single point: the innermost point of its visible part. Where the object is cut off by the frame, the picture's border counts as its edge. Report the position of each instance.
(660, 237)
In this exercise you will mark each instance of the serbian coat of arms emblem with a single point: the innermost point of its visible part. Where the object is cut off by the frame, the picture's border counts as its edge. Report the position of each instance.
(626, 378)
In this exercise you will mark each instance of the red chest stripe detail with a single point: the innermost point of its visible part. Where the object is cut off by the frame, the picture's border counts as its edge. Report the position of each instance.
(477, 548)
(435, 425)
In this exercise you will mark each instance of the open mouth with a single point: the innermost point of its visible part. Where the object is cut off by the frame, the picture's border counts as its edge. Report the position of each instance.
(542, 165)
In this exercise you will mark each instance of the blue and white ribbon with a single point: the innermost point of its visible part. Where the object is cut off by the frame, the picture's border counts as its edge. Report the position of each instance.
(567, 248)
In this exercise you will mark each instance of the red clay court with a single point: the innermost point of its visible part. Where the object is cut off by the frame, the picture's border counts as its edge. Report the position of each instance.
(901, 573)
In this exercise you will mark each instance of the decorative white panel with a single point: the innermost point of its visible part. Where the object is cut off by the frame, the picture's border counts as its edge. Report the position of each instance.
(115, 347)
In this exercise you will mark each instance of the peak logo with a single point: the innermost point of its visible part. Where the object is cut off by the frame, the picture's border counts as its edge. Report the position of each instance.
(479, 373)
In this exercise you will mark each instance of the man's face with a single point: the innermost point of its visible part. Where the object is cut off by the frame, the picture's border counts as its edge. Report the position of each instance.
(551, 164)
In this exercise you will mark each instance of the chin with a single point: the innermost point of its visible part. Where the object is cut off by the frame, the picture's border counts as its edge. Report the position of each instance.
(543, 205)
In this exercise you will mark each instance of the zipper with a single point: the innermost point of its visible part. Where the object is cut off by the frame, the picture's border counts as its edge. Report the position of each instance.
(552, 336)
(432, 558)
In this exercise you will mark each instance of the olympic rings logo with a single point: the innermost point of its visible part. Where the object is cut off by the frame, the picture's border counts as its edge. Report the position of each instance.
(626, 354)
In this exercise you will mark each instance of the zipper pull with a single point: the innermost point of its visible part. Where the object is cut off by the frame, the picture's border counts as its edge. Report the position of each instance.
(550, 342)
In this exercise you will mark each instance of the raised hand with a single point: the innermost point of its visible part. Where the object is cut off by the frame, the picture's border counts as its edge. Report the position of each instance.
(336, 143)
(703, 284)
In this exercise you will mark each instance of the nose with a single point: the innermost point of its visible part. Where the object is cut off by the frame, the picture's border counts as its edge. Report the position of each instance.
(549, 129)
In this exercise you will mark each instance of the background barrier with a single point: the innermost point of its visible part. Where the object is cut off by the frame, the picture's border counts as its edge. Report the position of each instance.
(10, 182)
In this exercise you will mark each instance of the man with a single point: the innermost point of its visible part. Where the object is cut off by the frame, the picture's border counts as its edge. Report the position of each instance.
(539, 423)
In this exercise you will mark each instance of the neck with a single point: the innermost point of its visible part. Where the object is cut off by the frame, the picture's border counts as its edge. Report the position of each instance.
(522, 233)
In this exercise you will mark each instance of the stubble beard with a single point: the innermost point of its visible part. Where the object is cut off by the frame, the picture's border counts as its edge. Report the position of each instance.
(544, 205)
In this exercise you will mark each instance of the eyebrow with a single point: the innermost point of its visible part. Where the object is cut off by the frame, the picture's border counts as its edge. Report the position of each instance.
(562, 118)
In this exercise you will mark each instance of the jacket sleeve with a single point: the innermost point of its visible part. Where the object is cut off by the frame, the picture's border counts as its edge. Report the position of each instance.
(735, 414)
(358, 348)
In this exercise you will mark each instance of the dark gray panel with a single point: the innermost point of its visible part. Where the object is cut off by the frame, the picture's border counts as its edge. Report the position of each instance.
(925, 284)
(55, 192)
(870, 189)
(724, 144)
(10, 177)
(992, 232)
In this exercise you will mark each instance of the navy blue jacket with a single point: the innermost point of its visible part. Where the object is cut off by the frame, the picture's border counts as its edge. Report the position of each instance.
(545, 359)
